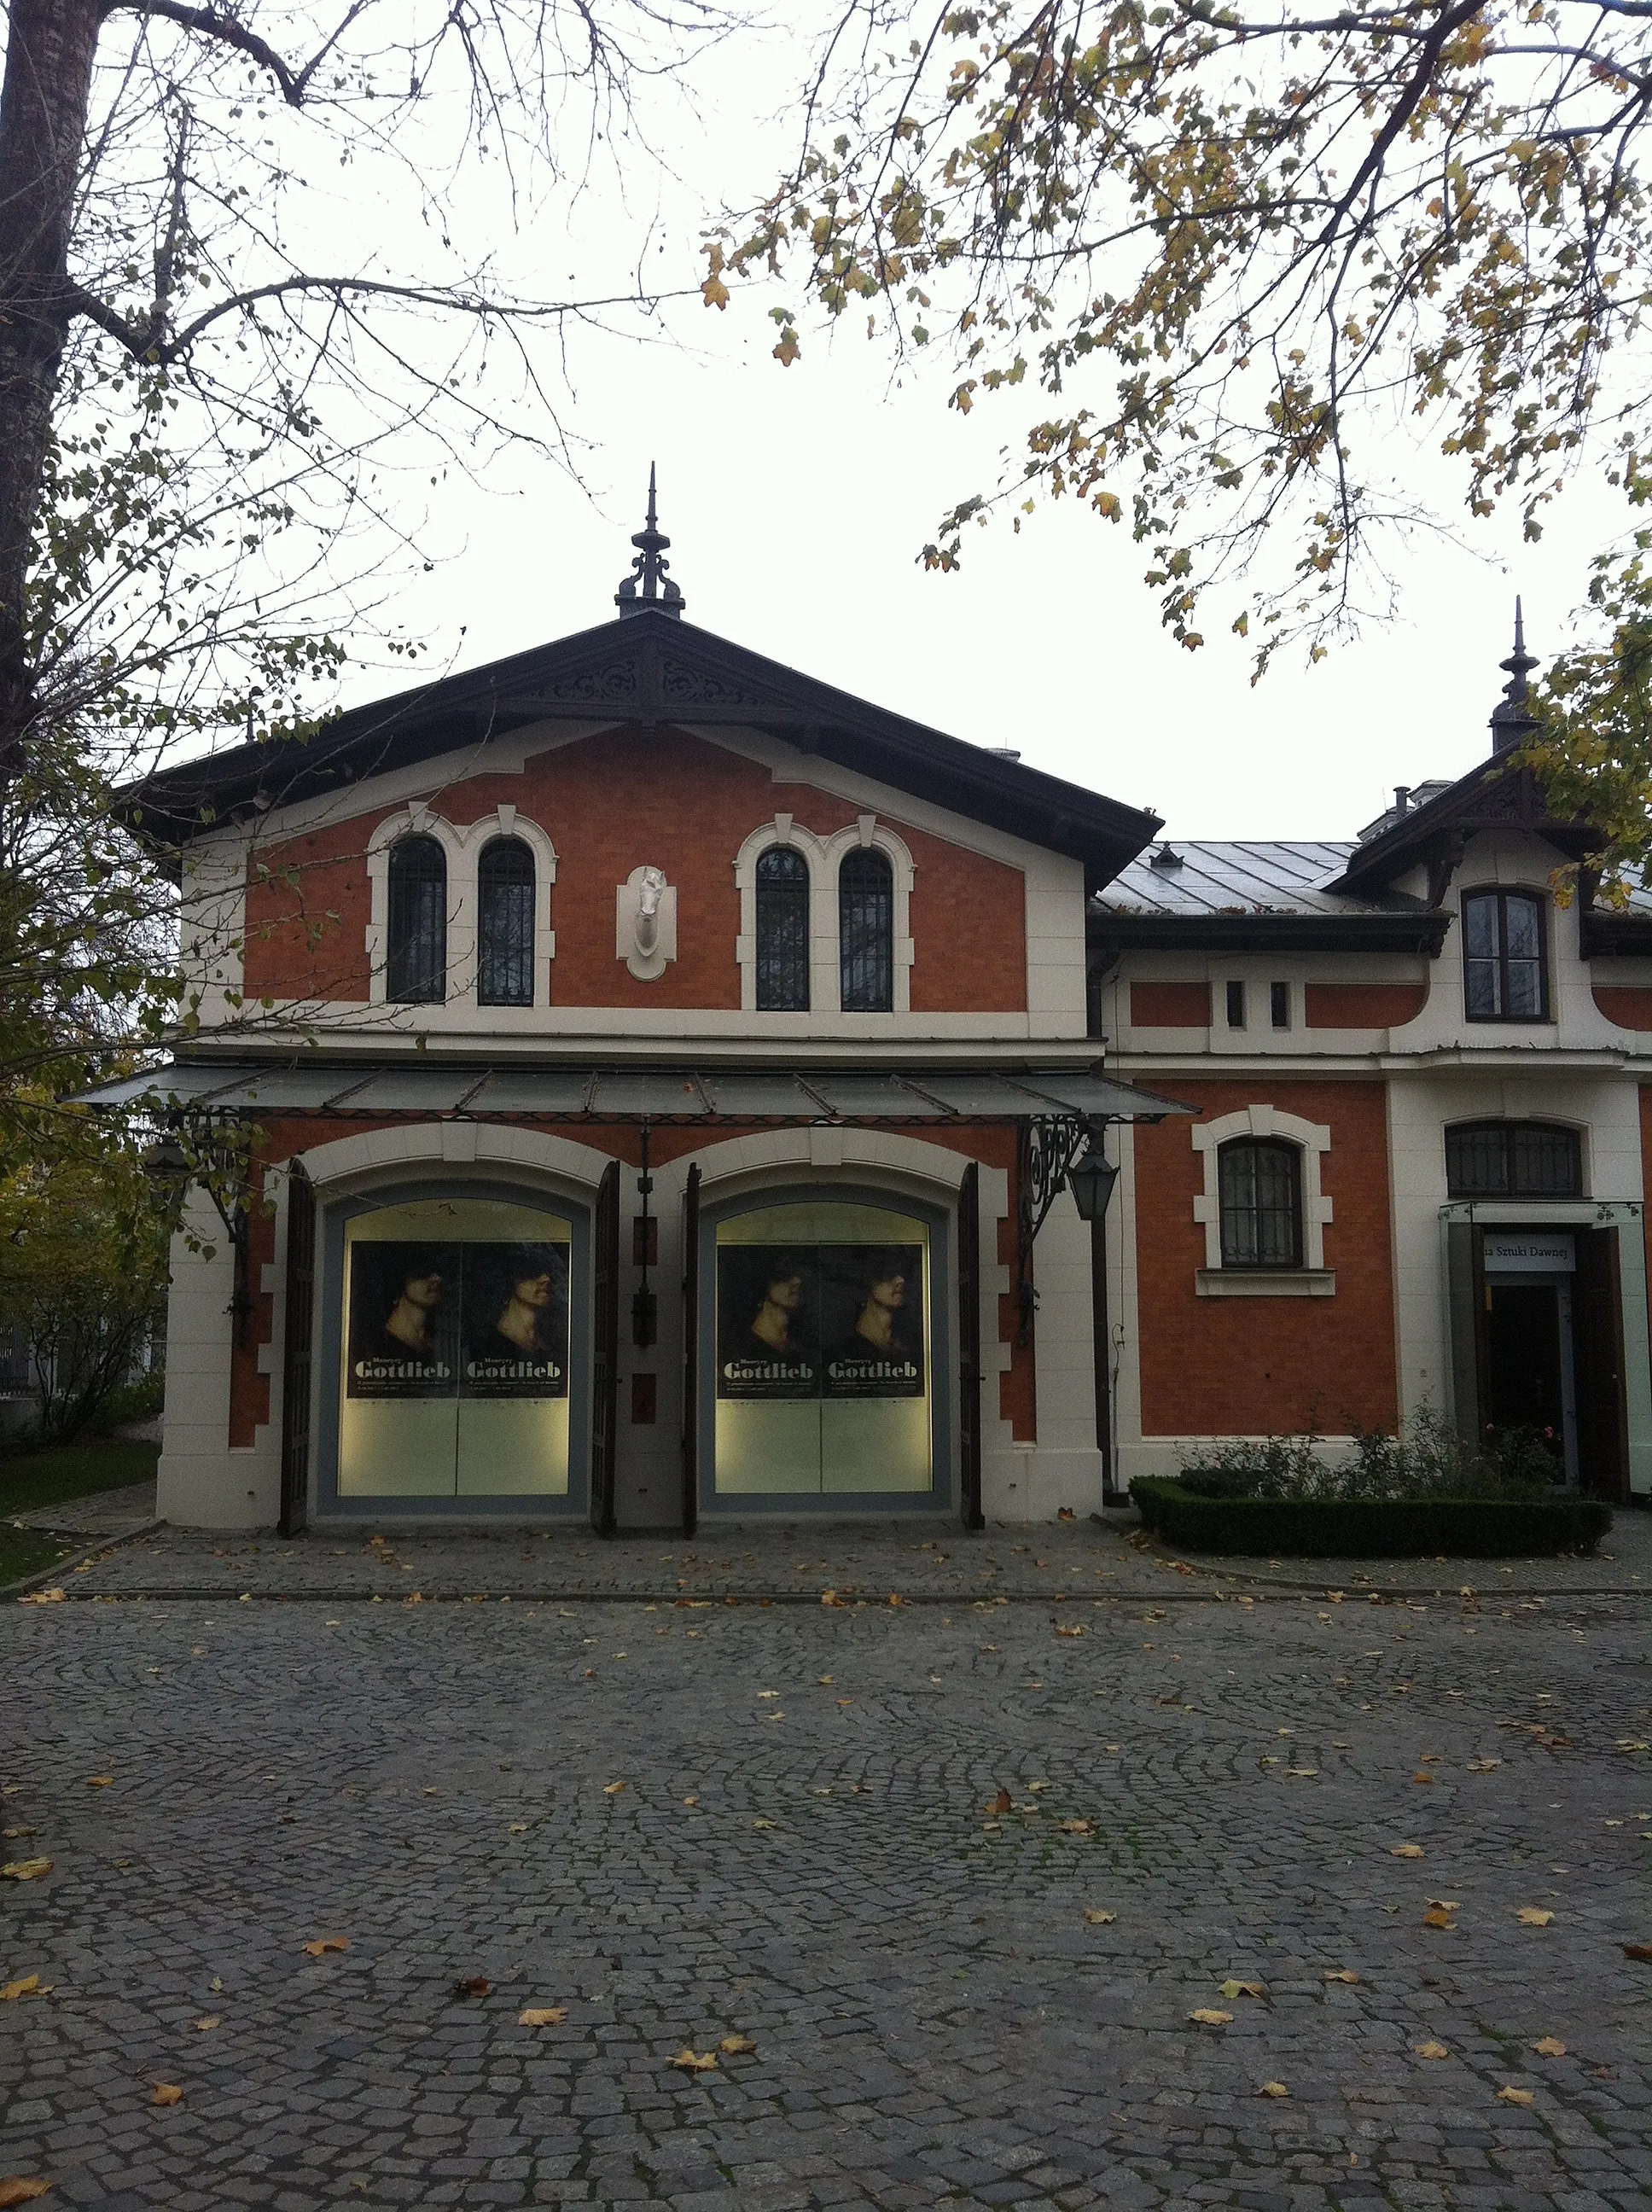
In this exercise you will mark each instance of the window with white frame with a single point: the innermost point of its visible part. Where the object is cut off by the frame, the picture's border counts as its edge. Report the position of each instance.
(505, 899)
(782, 931)
(1260, 1182)
(417, 947)
(865, 931)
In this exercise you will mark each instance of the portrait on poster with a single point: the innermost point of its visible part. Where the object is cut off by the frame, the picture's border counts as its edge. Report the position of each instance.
(767, 1322)
(403, 1321)
(514, 1310)
(871, 1298)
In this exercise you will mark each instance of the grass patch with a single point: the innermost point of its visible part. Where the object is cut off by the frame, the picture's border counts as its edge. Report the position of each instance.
(29, 1481)
(25, 1551)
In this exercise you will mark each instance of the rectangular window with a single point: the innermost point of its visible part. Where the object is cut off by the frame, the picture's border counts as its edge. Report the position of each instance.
(1513, 1159)
(1503, 978)
(1236, 1005)
(1279, 996)
(1259, 1180)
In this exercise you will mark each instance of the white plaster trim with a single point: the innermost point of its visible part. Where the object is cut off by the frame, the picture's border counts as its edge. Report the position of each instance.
(824, 856)
(378, 1155)
(1311, 1138)
(463, 846)
(1265, 1282)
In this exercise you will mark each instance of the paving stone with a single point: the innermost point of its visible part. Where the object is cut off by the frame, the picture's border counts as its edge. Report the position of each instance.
(935, 2020)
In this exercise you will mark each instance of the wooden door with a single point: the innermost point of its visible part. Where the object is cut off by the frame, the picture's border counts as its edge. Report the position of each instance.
(1598, 1366)
(969, 1348)
(691, 1355)
(295, 1380)
(605, 1323)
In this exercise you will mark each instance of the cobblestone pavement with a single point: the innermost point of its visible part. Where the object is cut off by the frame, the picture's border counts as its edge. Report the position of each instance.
(765, 1835)
(103, 1513)
(797, 1562)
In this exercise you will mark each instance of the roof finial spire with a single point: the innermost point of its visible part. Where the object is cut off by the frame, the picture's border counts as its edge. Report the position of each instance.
(1512, 719)
(648, 584)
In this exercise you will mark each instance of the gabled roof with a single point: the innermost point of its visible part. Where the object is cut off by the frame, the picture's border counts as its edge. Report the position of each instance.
(1495, 794)
(650, 667)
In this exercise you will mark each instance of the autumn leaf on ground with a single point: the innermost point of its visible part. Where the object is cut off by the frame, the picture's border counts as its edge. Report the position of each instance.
(1533, 1916)
(1340, 1974)
(1274, 2089)
(99, 1781)
(1510, 2096)
(1432, 2050)
(166, 2093)
(1435, 1918)
(541, 2015)
(1066, 1513)
(324, 1943)
(763, 1824)
(1422, 1775)
(26, 1869)
(30, 1985)
(612, 1788)
(1405, 1851)
(1076, 1827)
(205, 2025)
(517, 1828)
(1002, 1803)
(1098, 1919)
(693, 2061)
(830, 1597)
(1242, 1989)
(1207, 2016)
(472, 1986)
(1637, 1950)
(1483, 1765)
(21, 2188)
(1549, 2046)
(737, 2046)
(1076, 1630)
(42, 1597)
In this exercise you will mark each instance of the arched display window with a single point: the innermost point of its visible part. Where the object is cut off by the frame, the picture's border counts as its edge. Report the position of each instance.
(417, 969)
(460, 1338)
(828, 1373)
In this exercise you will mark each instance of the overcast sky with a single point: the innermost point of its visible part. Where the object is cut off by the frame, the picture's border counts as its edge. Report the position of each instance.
(799, 499)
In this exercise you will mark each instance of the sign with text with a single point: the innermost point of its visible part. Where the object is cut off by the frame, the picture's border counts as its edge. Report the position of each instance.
(820, 1320)
(468, 1319)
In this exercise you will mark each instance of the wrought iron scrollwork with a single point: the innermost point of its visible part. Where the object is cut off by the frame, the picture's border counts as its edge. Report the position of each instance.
(1047, 1148)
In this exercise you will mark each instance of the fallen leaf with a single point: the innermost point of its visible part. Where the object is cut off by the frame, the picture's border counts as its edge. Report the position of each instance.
(204, 2026)
(827, 1681)
(1435, 1918)
(1533, 1916)
(517, 1828)
(737, 2046)
(1432, 2050)
(1508, 2096)
(1340, 1974)
(99, 1781)
(30, 1985)
(21, 2188)
(541, 2015)
(612, 1788)
(1406, 1851)
(1207, 2016)
(1076, 1827)
(166, 2093)
(1099, 1919)
(12, 1835)
(1483, 1765)
(769, 1693)
(1422, 1775)
(692, 2062)
(1066, 1513)
(472, 1986)
(763, 1824)
(1637, 1950)
(1274, 2089)
(827, 1597)
(1549, 2046)
(1077, 1630)
(26, 1869)
(42, 1597)
(1002, 1802)
(324, 1943)
(1242, 1989)
(216, 1986)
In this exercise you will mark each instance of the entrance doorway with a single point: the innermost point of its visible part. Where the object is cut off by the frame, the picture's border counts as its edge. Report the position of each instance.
(1529, 1381)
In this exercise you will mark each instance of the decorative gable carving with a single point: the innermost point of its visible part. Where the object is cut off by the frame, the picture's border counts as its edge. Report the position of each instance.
(683, 686)
(597, 686)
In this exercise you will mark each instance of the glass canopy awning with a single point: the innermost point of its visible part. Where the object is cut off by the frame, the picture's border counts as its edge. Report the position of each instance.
(750, 1093)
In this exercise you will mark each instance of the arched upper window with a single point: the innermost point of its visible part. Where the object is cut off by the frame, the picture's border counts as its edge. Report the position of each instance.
(865, 931)
(1513, 1159)
(1260, 1181)
(1503, 978)
(416, 967)
(782, 931)
(505, 890)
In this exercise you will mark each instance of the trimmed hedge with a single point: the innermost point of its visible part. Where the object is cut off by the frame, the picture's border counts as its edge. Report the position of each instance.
(1366, 1527)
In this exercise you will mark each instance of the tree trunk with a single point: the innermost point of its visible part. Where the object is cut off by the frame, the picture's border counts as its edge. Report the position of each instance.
(43, 106)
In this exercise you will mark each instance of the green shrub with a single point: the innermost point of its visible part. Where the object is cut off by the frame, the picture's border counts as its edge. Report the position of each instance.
(1431, 1460)
(1486, 1527)
(133, 1401)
